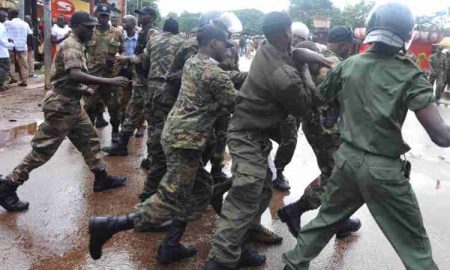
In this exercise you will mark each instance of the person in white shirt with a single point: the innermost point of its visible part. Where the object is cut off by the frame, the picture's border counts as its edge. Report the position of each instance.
(60, 30)
(18, 32)
(5, 45)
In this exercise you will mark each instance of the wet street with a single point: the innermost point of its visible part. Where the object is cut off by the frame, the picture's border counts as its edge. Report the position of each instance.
(52, 234)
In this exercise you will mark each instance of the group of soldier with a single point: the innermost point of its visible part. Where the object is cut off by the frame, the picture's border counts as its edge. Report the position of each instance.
(196, 102)
(440, 70)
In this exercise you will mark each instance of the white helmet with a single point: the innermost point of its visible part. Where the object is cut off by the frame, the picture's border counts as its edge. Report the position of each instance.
(301, 30)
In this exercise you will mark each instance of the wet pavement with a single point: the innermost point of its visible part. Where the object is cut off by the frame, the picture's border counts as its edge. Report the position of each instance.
(52, 234)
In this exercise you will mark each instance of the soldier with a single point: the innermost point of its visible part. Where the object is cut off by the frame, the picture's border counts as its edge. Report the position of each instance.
(185, 190)
(289, 127)
(369, 169)
(272, 91)
(140, 99)
(341, 44)
(102, 49)
(64, 116)
(160, 51)
(438, 67)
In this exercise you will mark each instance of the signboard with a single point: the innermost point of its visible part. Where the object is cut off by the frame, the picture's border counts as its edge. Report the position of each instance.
(68, 7)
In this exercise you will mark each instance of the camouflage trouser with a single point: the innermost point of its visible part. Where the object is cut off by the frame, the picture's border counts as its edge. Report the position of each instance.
(441, 82)
(324, 146)
(247, 199)
(49, 136)
(215, 148)
(136, 109)
(183, 194)
(152, 86)
(162, 104)
(288, 141)
(110, 96)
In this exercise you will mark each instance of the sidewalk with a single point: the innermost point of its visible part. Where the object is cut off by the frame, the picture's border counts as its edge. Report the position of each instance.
(20, 111)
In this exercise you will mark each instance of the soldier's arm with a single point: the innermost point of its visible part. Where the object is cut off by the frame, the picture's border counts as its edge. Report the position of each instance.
(237, 78)
(223, 89)
(77, 74)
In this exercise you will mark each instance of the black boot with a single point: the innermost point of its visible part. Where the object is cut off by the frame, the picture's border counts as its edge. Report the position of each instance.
(171, 250)
(250, 258)
(291, 215)
(212, 265)
(218, 175)
(121, 147)
(103, 181)
(115, 137)
(100, 121)
(280, 182)
(145, 163)
(101, 229)
(349, 227)
(219, 191)
(8, 197)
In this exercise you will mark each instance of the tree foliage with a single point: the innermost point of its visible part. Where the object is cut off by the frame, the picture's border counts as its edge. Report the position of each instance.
(355, 15)
(251, 20)
(188, 21)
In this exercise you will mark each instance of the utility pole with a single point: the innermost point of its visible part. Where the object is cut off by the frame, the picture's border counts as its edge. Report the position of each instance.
(21, 9)
(47, 42)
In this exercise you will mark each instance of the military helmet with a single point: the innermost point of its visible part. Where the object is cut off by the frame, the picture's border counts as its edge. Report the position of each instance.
(226, 20)
(390, 23)
(300, 29)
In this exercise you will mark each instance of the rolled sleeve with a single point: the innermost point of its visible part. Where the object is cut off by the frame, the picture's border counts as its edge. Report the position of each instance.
(73, 58)
(420, 94)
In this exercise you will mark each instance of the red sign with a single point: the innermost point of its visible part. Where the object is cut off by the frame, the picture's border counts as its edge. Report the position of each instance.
(62, 7)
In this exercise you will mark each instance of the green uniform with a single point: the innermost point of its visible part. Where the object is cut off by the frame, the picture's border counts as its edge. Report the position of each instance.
(438, 67)
(102, 50)
(139, 98)
(64, 116)
(185, 189)
(368, 165)
(160, 52)
(273, 89)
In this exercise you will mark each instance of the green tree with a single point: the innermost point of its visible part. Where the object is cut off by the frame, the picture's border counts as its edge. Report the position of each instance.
(355, 15)
(251, 20)
(304, 10)
(188, 21)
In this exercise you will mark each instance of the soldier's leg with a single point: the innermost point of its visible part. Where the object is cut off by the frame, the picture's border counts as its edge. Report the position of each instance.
(440, 85)
(241, 207)
(341, 200)
(151, 88)
(85, 138)
(46, 141)
(111, 97)
(218, 151)
(393, 204)
(93, 106)
(285, 152)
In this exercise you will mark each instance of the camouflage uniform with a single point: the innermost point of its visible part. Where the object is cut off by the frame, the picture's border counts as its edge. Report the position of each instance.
(160, 52)
(438, 67)
(288, 142)
(272, 91)
(185, 190)
(102, 50)
(64, 116)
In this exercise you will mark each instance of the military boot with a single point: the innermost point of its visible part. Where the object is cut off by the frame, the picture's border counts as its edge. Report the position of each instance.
(121, 147)
(291, 215)
(171, 250)
(100, 121)
(146, 164)
(280, 183)
(250, 258)
(212, 265)
(101, 229)
(263, 235)
(8, 197)
(349, 227)
(218, 175)
(103, 181)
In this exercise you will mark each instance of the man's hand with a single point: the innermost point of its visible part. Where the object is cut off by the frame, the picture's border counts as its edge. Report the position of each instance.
(303, 55)
(119, 81)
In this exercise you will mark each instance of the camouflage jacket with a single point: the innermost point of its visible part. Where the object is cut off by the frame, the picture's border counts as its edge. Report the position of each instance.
(139, 72)
(160, 52)
(206, 90)
(438, 62)
(102, 50)
(66, 93)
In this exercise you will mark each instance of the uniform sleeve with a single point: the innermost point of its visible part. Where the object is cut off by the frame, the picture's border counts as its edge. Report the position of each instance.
(290, 91)
(72, 58)
(237, 78)
(223, 88)
(420, 94)
(332, 84)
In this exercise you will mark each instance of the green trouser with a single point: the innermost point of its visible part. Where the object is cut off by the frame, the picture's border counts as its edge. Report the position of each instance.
(288, 142)
(380, 182)
(152, 86)
(441, 82)
(135, 109)
(247, 199)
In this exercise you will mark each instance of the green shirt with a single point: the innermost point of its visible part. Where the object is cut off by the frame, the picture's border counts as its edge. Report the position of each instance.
(374, 92)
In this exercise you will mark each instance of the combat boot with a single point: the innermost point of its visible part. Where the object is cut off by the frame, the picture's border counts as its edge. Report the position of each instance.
(146, 164)
(171, 250)
(103, 181)
(349, 227)
(263, 235)
(250, 258)
(8, 197)
(121, 147)
(100, 121)
(101, 229)
(115, 137)
(280, 183)
(291, 215)
(212, 265)
(218, 175)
